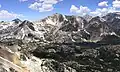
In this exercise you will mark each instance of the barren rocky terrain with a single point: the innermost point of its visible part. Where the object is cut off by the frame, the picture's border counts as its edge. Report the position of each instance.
(61, 43)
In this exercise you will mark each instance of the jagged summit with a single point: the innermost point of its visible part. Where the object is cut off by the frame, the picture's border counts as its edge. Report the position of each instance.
(17, 20)
(25, 30)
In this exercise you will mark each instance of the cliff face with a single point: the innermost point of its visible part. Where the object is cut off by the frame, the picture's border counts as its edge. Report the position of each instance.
(61, 43)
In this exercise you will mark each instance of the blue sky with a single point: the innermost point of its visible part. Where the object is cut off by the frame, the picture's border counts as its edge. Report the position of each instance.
(37, 9)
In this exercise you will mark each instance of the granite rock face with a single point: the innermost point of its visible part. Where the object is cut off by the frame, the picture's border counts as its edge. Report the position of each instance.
(61, 43)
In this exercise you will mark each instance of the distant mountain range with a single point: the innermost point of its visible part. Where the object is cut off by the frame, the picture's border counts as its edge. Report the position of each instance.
(63, 28)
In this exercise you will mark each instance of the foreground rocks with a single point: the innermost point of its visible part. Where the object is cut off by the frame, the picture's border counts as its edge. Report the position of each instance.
(61, 43)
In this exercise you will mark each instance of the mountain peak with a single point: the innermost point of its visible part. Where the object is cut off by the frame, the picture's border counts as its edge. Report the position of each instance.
(87, 17)
(57, 14)
(17, 20)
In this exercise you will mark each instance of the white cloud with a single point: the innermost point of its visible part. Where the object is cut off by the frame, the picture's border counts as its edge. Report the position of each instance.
(4, 14)
(73, 9)
(98, 11)
(116, 4)
(35, 6)
(44, 5)
(103, 11)
(82, 10)
(103, 4)
(23, 0)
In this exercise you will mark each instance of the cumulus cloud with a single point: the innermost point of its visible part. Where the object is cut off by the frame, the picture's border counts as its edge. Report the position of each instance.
(81, 10)
(73, 9)
(35, 6)
(23, 0)
(99, 12)
(4, 14)
(116, 4)
(103, 4)
(44, 5)
(103, 11)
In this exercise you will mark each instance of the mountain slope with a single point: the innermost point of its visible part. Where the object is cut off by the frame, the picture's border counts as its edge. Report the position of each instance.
(61, 43)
